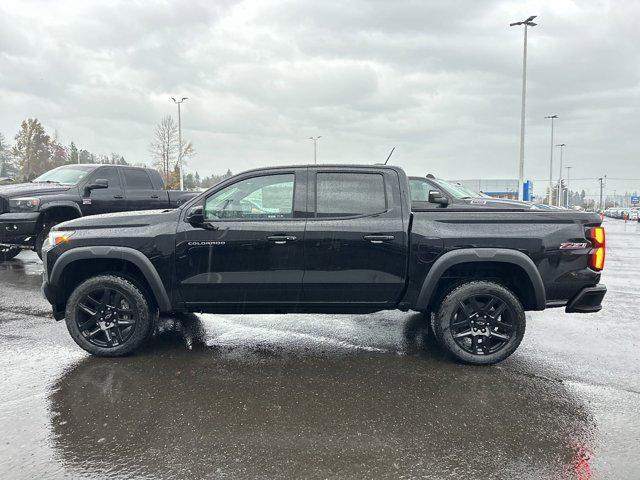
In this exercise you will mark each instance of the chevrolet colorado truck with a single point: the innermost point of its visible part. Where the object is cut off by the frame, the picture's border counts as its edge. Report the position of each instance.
(324, 239)
(29, 210)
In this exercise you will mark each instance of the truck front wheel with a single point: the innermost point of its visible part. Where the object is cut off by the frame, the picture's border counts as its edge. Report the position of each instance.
(108, 316)
(480, 323)
(42, 236)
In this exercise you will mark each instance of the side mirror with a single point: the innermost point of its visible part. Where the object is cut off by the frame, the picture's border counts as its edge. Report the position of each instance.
(436, 197)
(195, 216)
(96, 185)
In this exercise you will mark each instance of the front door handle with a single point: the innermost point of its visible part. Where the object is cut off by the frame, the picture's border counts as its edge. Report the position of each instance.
(154, 196)
(281, 239)
(118, 196)
(378, 238)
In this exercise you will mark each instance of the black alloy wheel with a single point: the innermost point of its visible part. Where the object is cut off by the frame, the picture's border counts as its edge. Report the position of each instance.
(105, 317)
(109, 315)
(479, 322)
(482, 324)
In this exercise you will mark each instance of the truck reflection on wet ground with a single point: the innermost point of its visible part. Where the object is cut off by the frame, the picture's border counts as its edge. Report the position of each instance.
(269, 411)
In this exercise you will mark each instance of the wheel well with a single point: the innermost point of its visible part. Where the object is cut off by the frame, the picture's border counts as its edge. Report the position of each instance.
(78, 271)
(57, 214)
(509, 275)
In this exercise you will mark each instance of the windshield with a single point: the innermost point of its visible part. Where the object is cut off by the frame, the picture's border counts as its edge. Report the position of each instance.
(469, 192)
(457, 190)
(67, 175)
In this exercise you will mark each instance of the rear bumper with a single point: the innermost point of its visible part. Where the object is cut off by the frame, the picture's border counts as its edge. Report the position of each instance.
(589, 300)
(18, 229)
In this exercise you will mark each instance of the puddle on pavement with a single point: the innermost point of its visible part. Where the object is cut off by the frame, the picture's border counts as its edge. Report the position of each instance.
(267, 410)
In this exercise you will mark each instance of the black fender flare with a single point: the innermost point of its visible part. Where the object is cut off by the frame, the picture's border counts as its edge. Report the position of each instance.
(469, 255)
(61, 203)
(118, 253)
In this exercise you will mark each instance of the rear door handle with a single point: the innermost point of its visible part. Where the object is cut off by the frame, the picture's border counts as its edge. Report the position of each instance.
(378, 238)
(281, 239)
(154, 196)
(118, 196)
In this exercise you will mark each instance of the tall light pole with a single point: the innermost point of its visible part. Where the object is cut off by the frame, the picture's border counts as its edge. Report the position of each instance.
(552, 117)
(568, 191)
(315, 147)
(560, 202)
(527, 23)
(180, 139)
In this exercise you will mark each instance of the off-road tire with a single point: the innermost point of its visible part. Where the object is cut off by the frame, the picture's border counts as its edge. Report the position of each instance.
(442, 321)
(141, 307)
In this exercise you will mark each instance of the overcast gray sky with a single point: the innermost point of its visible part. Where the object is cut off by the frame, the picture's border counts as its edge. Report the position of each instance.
(440, 80)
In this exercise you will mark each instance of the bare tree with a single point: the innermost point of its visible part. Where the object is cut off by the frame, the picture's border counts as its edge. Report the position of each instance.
(164, 146)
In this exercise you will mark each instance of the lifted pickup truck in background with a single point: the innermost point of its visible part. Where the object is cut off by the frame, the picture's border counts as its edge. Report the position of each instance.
(325, 239)
(29, 210)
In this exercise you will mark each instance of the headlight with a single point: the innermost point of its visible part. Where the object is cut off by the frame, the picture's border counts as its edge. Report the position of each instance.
(56, 238)
(19, 205)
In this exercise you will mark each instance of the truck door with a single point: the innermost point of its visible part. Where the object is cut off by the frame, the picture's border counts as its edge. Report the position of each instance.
(355, 242)
(249, 249)
(140, 192)
(103, 200)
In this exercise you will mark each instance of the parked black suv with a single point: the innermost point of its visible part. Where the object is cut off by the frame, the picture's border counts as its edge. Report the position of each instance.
(29, 210)
(338, 239)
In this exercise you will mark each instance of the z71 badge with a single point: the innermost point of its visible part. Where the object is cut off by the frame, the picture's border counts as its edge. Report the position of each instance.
(572, 246)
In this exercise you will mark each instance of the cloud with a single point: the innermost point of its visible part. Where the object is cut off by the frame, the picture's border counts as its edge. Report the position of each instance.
(440, 80)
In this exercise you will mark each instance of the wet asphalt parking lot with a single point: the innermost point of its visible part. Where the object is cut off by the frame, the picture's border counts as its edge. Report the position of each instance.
(320, 396)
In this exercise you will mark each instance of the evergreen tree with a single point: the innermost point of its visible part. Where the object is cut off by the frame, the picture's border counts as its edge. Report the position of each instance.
(7, 160)
(32, 149)
(73, 153)
(85, 156)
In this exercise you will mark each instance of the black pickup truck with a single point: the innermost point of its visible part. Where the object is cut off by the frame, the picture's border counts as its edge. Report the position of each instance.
(324, 239)
(29, 210)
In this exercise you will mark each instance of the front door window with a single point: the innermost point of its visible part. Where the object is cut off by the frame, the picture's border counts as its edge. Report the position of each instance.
(268, 197)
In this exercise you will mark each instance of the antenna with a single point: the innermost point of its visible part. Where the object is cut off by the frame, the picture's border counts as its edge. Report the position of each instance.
(390, 153)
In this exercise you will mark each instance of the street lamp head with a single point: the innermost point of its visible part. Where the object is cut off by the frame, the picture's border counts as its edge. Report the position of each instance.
(184, 98)
(552, 116)
(561, 145)
(527, 22)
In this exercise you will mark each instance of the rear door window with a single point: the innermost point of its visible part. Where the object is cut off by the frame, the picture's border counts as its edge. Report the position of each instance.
(137, 179)
(347, 194)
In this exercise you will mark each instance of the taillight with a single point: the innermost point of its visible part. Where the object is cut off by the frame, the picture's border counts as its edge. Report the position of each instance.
(597, 254)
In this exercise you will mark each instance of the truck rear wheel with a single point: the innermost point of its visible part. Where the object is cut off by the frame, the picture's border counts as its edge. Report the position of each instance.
(7, 253)
(109, 316)
(480, 323)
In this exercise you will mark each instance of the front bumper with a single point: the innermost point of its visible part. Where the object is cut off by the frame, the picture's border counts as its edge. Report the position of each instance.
(18, 229)
(53, 296)
(588, 300)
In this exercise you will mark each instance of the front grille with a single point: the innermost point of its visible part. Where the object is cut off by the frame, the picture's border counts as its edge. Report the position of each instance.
(4, 205)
